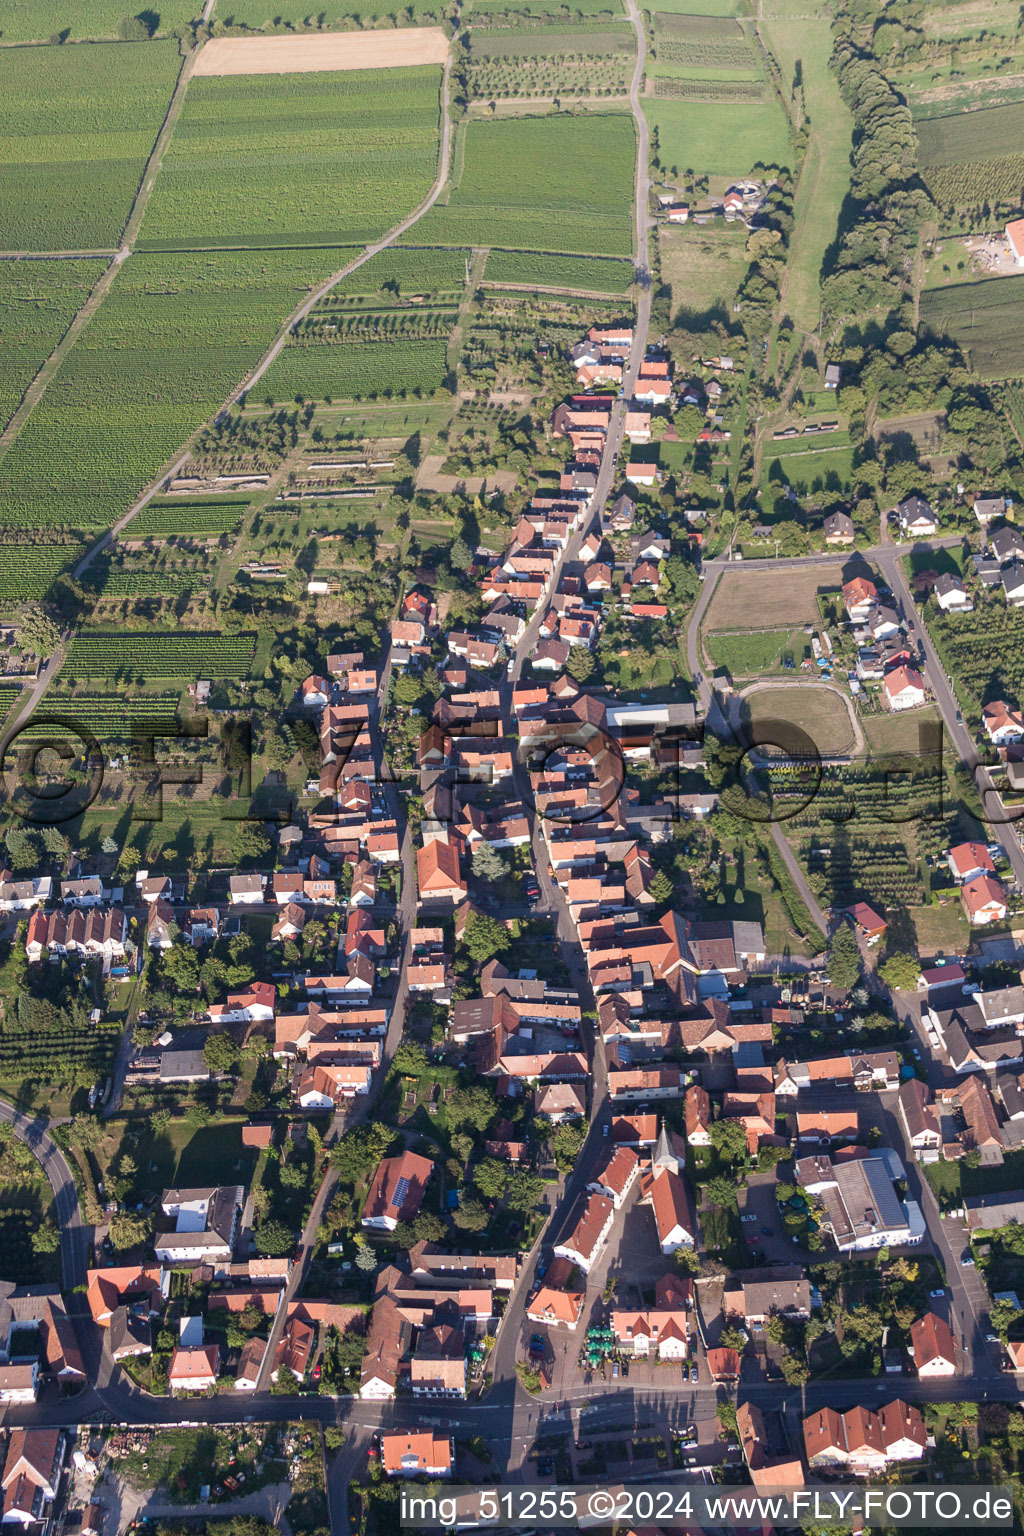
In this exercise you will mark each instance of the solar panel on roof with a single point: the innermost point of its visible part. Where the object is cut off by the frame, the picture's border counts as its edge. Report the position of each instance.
(401, 1191)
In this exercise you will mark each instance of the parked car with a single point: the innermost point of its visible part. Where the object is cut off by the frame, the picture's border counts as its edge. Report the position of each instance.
(694, 1375)
(967, 1260)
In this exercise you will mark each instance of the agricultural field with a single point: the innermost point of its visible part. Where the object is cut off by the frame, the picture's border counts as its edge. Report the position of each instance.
(589, 274)
(296, 16)
(109, 577)
(703, 268)
(404, 272)
(986, 660)
(825, 465)
(497, 13)
(68, 178)
(183, 518)
(147, 372)
(538, 182)
(108, 717)
(28, 570)
(36, 21)
(589, 62)
(695, 7)
(799, 40)
(38, 301)
(968, 161)
(189, 654)
(268, 159)
(986, 319)
(701, 42)
(357, 370)
(718, 139)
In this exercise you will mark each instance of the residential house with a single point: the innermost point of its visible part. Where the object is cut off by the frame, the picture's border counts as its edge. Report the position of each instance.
(984, 901)
(839, 530)
(583, 1244)
(967, 861)
(904, 688)
(32, 1476)
(396, 1191)
(860, 595)
(246, 890)
(951, 594)
(753, 1296)
(1002, 723)
(421, 1453)
(920, 1122)
(917, 518)
(932, 1346)
(616, 1174)
(437, 873)
(205, 1224)
(1007, 545)
(1012, 579)
(863, 1442)
(661, 1330)
(987, 508)
(194, 1368)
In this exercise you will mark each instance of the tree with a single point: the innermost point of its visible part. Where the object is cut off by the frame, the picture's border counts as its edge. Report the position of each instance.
(38, 634)
(843, 964)
(794, 1370)
(45, 1239)
(470, 1216)
(733, 1338)
(1004, 1315)
(491, 1178)
(488, 863)
(129, 861)
(485, 937)
(524, 1191)
(181, 967)
(661, 887)
(221, 1053)
(273, 1239)
(721, 1192)
(252, 839)
(566, 1144)
(366, 1261)
(729, 1138)
(360, 1150)
(900, 971)
(129, 1231)
(410, 1059)
(580, 663)
(135, 29)
(725, 1413)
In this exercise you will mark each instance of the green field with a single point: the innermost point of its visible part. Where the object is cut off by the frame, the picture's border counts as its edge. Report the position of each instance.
(188, 654)
(110, 716)
(593, 274)
(292, 15)
(799, 40)
(986, 319)
(320, 156)
(541, 183)
(38, 301)
(28, 570)
(809, 468)
(495, 12)
(750, 654)
(539, 42)
(695, 7)
(149, 369)
(77, 126)
(703, 268)
(718, 139)
(356, 370)
(38, 20)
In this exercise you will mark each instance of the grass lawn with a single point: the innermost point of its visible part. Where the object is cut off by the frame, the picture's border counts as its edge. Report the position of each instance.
(802, 38)
(741, 593)
(816, 710)
(753, 899)
(750, 654)
(950, 264)
(717, 139)
(942, 930)
(703, 269)
(898, 733)
(184, 1155)
(695, 7)
(815, 469)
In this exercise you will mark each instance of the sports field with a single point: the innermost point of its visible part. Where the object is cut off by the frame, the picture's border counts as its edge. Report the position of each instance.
(816, 710)
(77, 125)
(987, 319)
(314, 53)
(541, 183)
(266, 158)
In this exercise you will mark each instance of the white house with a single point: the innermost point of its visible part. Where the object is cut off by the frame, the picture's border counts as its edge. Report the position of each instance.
(584, 1243)
(1002, 723)
(951, 595)
(674, 1213)
(904, 688)
(246, 890)
(917, 518)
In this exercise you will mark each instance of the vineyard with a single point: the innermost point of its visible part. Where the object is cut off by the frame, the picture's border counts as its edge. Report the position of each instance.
(187, 655)
(27, 21)
(594, 274)
(399, 271)
(76, 128)
(702, 42)
(545, 78)
(357, 370)
(28, 570)
(64, 1053)
(978, 186)
(113, 578)
(148, 371)
(38, 301)
(969, 136)
(691, 88)
(854, 834)
(339, 157)
(8, 698)
(183, 519)
(986, 319)
(541, 182)
(107, 717)
(329, 323)
(986, 661)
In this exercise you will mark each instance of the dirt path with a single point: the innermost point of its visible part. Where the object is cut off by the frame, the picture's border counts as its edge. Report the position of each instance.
(476, 271)
(35, 391)
(572, 293)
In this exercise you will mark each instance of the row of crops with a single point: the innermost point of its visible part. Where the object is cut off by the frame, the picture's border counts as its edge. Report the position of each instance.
(28, 570)
(693, 88)
(380, 325)
(171, 519)
(986, 660)
(186, 655)
(357, 370)
(63, 1053)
